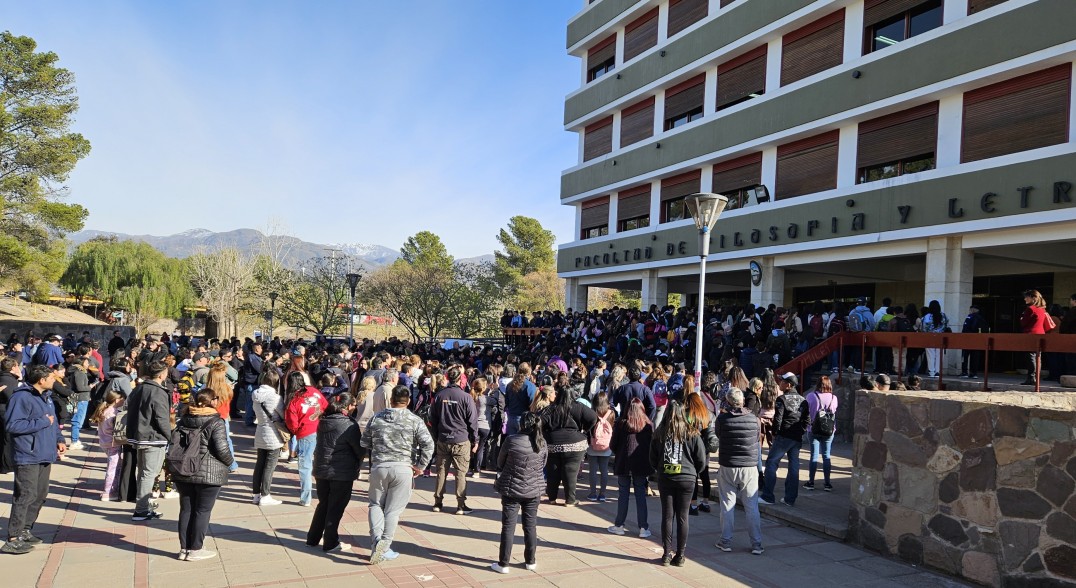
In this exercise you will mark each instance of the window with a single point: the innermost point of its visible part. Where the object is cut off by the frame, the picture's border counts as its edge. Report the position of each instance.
(725, 3)
(601, 59)
(598, 139)
(673, 192)
(1023, 113)
(641, 35)
(684, 13)
(735, 177)
(742, 78)
(980, 5)
(594, 218)
(683, 102)
(637, 122)
(807, 166)
(889, 22)
(813, 48)
(633, 208)
(897, 144)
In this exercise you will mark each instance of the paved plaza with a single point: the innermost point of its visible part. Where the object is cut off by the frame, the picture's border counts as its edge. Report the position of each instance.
(92, 542)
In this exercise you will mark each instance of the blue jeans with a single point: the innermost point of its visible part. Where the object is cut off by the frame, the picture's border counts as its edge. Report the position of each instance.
(625, 484)
(231, 448)
(248, 404)
(783, 446)
(513, 425)
(78, 418)
(304, 450)
(820, 449)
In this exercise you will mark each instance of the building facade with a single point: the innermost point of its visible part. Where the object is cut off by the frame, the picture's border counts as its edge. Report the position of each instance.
(911, 149)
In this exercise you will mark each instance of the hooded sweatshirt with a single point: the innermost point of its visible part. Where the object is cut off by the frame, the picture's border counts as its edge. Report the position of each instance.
(396, 436)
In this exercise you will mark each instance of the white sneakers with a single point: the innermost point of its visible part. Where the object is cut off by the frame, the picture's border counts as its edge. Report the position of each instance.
(200, 555)
(268, 500)
(644, 533)
(617, 530)
(499, 568)
(76, 445)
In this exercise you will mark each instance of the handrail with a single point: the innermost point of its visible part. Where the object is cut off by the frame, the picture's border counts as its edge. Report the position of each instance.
(800, 363)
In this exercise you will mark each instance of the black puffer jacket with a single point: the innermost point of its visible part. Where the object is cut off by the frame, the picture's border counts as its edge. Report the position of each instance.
(790, 416)
(738, 432)
(338, 451)
(632, 450)
(520, 468)
(216, 457)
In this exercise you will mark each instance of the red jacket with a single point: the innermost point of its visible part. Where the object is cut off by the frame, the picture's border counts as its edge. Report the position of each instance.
(304, 411)
(1033, 320)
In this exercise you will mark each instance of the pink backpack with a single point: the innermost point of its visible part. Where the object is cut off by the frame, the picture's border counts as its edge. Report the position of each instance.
(603, 434)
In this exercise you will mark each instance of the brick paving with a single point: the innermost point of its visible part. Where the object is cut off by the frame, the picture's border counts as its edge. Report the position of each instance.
(89, 542)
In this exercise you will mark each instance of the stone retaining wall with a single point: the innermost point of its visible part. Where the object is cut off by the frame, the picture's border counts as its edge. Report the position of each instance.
(980, 485)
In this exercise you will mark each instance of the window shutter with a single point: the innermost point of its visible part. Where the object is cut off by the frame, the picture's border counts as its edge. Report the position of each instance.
(637, 122)
(641, 35)
(979, 5)
(875, 11)
(725, 3)
(683, 98)
(898, 136)
(595, 213)
(601, 52)
(741, 77)
(813, 48)
(633, 203)
(737, 174)
(807, 166)
(1024, 113)
(598, 139)
(681, 185)
(684, 13)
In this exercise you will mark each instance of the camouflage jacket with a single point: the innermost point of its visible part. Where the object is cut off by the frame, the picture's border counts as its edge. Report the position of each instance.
(396, 435)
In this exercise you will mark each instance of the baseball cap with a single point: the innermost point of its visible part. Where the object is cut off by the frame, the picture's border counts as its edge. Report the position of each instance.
(199, 356)
(790, 378)
(883, 379)
(53, 337)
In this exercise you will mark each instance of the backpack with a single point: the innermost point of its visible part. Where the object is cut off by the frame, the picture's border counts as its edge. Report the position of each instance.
(603, 433)
(856, 322)
(817, 325)
(119, 429)
(650, 329)
(186, 386)
(661, 392)
(825, 420)
(184, 454)
(886, 324)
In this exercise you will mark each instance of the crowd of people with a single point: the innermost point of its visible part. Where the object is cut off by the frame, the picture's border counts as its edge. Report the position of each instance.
(612, 388)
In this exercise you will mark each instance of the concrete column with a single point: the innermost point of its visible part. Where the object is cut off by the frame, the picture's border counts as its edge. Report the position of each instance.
(709, 92)
(618, 57)
(847, 146)
(575, 294)
(655, 290)
(950, 120)
(578, 221)
(772, 288)
(773, 65)
(949, 275)
(853, 31)
(663, 22)
(655, 203)
(953, 10)
(1072, 109)
(614, 208)
(616, 131)
(769, 172)
(659, 113)
(706, 181)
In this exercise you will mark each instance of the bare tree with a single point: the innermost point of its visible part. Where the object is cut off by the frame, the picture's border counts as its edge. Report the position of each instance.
(316, 297)
(222, 279)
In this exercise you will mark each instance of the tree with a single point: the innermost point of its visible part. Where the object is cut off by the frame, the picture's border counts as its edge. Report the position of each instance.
(528, 248)
(130, 276)
(475, 301)
(426, 249)
(223, 280)
(37, 154)
(316, 297)
(415, 295)
(540, 291)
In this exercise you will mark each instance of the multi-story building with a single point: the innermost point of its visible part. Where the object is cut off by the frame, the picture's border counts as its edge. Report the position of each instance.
(912, 149)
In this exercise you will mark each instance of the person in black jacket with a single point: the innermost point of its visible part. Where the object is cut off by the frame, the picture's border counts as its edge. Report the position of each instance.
(520, 462)
(635, 389)
(567, 427)
(677, 453)
(738, 432)
(336, 467)
(631, 440)
(10, 374)
(454, 424)
(198, 492)
(789, 425)
(149, 427)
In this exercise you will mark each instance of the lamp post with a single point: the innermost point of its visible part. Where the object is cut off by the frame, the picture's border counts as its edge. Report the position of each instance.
(705, 209)
(272, 310)
(352, 281)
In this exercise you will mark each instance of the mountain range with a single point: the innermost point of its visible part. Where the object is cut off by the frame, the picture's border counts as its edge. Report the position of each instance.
(188, 243)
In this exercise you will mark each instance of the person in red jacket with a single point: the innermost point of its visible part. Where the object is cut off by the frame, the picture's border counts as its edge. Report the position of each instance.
(302, 415)
(1033, 321)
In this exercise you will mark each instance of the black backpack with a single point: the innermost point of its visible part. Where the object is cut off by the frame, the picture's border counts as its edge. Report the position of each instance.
(184, 454)
(825, 420)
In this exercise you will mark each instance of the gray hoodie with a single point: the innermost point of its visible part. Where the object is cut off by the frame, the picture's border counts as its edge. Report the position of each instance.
(397, 436)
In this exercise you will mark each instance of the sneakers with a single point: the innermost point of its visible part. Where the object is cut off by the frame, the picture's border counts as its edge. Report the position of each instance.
(268, 500)
(341, 546)
(644, 533)
(255, 498)
(499, 568)
(200, 555)
(723, 547)
(666, 560)
(808, 485)
(532, 567)
(764, 501)
(757, 550)
(390, 555)
(437, 506)
(182, 555)
(602, 498)
(693, 511)
(28, 537)
(76, 445)
(145, 516)
(304, 504)
(593, 498)
(378, 554)
(476, 476)
(617, 529)
(828, 487)
(678, 561)
(786, 503)
(571, 504)
(170, 494)
(16, 547)
(704, 507)
(463, 510)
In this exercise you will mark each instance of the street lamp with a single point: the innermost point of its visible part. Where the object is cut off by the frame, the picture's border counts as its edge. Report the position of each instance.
(353, 281)
(705, 209)
(272, 309)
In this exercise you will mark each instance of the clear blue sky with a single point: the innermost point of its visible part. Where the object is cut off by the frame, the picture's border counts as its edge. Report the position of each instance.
(356, 121)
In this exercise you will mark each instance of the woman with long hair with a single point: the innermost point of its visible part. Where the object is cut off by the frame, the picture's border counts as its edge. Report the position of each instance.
(822, 397)
(479, 387)
(678, 455)
(935, 321)
(567, 425)
(1033, 321)
(600, 449)
(267, 438)
(198, 492)
(737, 378)
(519, 393)
(217, 381)
(700, 416)
(631, 441)
(302, 412)
(336, 467)
(520, 464)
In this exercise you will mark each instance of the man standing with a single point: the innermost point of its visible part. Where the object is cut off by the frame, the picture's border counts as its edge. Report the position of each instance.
(252, 369)
(789, 425)
(737, 431)
(454, 420)
(382, 395)
(635, 389)
(971, 359)
(49, 352)
(399, 445)
(148, 430)
(34, 430)
(116, 344)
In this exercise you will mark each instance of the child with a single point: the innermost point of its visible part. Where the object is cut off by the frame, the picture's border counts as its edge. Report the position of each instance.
(105, 419)
(599, 450)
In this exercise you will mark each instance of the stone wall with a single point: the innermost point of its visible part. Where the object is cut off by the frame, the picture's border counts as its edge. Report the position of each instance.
(102, 333)
(979, 485)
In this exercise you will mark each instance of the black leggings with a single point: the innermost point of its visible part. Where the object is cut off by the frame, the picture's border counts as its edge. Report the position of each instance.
(195, 505)
(563, 467)
(478, 456)
(675, 501)
(333, 496)
(704, 479)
